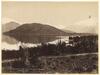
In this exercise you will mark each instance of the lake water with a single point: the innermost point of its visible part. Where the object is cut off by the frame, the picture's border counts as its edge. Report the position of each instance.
(10, 43)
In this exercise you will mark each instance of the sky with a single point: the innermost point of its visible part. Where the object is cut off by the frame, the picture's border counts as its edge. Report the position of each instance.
(58, 14)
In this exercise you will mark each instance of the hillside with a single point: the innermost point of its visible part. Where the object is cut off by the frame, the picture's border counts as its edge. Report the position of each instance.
(32, 32)
(36, 29)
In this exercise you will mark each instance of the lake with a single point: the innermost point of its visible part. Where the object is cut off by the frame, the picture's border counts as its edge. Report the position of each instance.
(10, 43)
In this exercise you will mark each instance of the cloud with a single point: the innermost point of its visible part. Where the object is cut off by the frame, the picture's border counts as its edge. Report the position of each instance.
(86, 26)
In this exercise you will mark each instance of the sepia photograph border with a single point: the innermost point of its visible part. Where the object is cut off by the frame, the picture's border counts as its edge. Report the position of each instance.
(50, 1)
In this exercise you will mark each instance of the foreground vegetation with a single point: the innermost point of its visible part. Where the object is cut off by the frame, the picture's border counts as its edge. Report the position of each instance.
(42, 58)
(53, 64)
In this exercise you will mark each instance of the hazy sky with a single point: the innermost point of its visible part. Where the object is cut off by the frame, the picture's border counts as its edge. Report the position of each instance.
(58, 14)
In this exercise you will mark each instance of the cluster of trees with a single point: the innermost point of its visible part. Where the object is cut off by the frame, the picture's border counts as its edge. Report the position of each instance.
(85, 43)
(82, 44)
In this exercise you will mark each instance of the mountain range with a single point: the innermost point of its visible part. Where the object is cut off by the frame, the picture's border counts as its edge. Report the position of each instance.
(9, 26)
(31, 32)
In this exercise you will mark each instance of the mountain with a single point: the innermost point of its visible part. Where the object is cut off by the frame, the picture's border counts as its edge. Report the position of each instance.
(29, 31)
(9, 26)
(89, 25)
(37, 29)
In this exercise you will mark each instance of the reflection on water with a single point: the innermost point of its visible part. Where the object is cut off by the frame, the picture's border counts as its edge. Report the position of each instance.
(7, 46)
(9, 39)
(35, 39)
(11, 43)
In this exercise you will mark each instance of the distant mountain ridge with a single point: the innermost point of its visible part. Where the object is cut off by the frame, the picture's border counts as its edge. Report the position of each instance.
(67, 31)
(9, 26)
